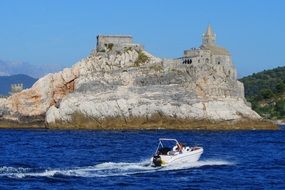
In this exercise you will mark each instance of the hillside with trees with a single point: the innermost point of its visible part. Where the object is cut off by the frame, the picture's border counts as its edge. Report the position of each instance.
(266, 92)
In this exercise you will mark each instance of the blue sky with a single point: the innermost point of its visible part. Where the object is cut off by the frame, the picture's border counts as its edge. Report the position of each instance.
(64, 31)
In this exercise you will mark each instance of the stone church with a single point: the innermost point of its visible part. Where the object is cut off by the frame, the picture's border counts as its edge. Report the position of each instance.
(209, 52)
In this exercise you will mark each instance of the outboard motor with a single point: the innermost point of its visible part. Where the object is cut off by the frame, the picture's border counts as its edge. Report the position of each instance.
(156, 160)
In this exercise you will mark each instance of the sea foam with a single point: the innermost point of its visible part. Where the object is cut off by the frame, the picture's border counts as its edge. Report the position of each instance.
(105, 169)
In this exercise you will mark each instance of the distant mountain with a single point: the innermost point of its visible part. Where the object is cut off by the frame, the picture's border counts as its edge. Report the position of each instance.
(266, 92)
(36, 71)
(6, 81)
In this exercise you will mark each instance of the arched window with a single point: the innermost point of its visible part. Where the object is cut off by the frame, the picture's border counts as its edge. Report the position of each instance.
(207, 60)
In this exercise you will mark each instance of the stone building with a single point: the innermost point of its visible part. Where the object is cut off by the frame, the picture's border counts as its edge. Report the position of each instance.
(15, 88)
(210, 53)
(109, 42)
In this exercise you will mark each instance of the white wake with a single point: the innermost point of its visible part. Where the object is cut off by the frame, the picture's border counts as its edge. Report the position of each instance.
(105, 169)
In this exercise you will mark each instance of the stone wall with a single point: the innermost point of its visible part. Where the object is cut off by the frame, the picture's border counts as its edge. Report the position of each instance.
(16, 88)
(104, 40)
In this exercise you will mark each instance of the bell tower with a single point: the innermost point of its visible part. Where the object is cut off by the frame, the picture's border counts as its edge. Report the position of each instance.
(209, 38)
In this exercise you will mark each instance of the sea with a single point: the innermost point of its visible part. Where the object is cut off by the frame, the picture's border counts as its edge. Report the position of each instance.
(82, 159)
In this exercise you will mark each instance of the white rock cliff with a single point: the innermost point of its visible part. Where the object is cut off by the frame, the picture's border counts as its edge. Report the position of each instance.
(123, 80)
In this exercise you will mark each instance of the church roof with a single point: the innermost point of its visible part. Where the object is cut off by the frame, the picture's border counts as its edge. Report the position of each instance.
(209, 31)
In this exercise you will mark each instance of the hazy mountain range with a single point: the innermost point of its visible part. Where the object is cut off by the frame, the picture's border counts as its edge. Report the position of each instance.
(6, 81)
(12, 68)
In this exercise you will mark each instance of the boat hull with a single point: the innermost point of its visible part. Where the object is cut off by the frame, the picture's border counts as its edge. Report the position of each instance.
(182, 157)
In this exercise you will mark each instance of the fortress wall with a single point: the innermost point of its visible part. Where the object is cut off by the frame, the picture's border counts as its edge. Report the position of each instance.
(16, 88)
(222, 63)
(191, 53)
(105, 39)
(197, 56)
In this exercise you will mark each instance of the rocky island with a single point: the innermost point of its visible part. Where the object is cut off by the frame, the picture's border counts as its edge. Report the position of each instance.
(122, 86)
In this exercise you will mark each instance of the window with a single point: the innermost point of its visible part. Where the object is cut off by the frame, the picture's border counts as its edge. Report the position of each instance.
(219, 60)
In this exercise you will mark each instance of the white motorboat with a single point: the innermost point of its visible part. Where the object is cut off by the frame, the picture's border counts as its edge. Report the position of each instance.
(170, 151)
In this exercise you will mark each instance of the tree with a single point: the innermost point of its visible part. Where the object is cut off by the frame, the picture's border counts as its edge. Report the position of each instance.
(280, 87)
(266, 93)
(280, 107)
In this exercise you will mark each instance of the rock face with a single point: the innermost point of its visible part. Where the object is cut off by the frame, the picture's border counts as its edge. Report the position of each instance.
(34, 102)
(123, 80)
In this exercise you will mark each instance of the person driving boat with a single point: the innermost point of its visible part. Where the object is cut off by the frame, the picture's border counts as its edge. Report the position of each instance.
(178, 147)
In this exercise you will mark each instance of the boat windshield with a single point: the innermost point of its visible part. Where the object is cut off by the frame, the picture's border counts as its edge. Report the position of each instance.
(166, 144)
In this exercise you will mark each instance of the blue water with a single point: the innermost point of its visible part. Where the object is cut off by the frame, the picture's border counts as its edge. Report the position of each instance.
(47, 159)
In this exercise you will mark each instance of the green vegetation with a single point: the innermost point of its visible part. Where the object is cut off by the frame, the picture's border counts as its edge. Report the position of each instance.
(109, 46)
(266, 92)
(142, 58)
(126, 49)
